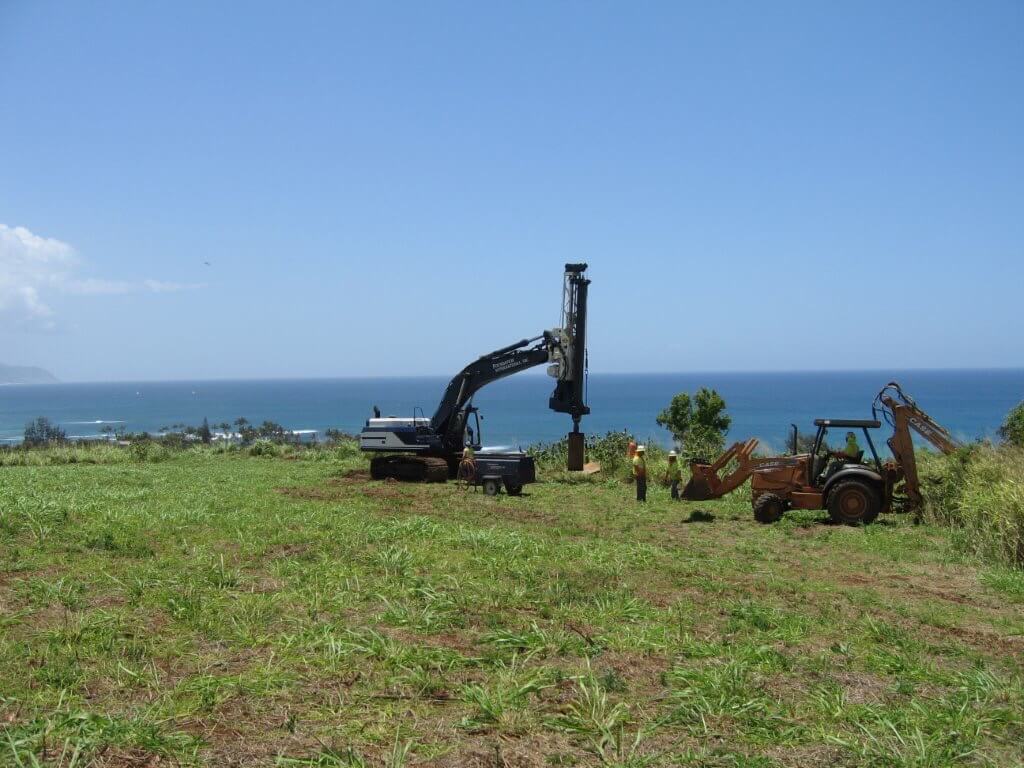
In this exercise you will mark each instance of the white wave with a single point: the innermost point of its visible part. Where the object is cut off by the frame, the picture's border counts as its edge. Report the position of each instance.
(96, 421)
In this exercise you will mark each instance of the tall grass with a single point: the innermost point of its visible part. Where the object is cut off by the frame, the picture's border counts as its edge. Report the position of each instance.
(154, 451)
(980, 493)
(64, 453)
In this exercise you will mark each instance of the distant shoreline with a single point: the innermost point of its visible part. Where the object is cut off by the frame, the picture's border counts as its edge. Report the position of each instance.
(529, 374)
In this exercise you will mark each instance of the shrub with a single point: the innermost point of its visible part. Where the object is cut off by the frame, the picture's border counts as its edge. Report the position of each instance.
(979, 491)
(1012, 430)
(268, 448)
(148, 451)
(608, 450)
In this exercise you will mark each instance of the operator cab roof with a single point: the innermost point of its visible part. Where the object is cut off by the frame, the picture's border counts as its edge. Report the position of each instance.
(855, 423)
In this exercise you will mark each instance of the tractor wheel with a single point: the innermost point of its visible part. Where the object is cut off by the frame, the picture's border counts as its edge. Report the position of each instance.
(491, 487)
(853, 502)
(768, 508)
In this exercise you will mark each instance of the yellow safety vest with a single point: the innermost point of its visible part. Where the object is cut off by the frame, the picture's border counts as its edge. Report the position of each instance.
(674, 472)
(852, 449)
(639, 466)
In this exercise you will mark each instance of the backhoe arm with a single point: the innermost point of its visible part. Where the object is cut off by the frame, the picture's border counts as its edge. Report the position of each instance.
(904, 415)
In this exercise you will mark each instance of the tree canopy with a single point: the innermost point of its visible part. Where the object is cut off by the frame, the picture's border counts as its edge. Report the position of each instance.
(698, 424)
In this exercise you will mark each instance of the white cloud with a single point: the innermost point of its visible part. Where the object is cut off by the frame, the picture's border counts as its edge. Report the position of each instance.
(32, 266)
(159, 286)
(93, 286)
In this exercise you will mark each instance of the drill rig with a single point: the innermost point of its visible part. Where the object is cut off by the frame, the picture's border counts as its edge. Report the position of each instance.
(418, 448)
(853, 489)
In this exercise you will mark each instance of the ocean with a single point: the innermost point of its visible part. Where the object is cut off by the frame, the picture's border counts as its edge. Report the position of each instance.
(971, 403)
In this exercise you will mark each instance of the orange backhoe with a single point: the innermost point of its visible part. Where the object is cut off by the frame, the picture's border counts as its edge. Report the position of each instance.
(853, 491)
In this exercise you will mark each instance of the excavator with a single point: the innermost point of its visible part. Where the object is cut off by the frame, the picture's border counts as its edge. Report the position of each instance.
(416, 448)
(854, 491)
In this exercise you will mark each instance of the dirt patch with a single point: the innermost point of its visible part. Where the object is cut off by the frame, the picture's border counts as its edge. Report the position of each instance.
(984, 640)
(352, 483)
(493, 751)
(353, 476)
(641, 673)
(334, 491)
(131, 758)
(286, 550)
(862, 687)
(807, 756)
(465, 644)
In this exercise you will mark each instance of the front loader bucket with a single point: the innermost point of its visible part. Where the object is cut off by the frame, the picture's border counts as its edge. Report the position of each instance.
(697, 488)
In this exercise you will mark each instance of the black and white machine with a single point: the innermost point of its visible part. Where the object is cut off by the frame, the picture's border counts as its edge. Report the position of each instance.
(418, 448)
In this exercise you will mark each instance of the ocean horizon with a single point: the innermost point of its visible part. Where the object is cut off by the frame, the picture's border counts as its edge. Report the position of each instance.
(970, 402)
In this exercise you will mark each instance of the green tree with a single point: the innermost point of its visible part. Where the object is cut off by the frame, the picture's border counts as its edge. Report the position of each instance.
(1012, 430)
(42, 431)
(698, 424)
(204, 432)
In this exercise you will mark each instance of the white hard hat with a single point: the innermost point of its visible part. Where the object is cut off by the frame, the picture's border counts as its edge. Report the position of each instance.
(672, 454)
(640, 449)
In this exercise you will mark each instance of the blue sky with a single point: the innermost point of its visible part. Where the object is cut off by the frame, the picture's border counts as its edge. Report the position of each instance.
(392, 188)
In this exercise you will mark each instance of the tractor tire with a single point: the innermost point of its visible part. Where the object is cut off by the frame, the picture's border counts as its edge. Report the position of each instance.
(768, 508)
(491, 486)
(853, 502)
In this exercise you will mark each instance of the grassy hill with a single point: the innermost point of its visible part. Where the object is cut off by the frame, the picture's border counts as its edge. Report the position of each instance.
(217, 609)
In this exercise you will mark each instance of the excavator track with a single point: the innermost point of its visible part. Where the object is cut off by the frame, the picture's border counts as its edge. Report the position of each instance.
(412, 469)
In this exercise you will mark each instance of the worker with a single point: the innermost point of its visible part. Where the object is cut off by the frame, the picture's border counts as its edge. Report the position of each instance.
(673, 475)
(851, 453)
(467, 467)
(852, 449)
(640, 472)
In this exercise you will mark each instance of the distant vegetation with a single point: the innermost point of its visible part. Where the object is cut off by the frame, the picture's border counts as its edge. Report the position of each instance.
(42, 431)
(45, 443)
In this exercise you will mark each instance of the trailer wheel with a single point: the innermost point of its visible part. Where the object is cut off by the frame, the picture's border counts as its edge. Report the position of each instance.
(512, 489)
(853, 502)
(768, 508)
(491, 486)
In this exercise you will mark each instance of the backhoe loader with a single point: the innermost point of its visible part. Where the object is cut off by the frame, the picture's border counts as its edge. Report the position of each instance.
(853, 491)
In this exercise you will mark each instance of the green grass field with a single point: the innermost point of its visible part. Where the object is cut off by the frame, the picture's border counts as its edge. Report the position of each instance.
(228, 610)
